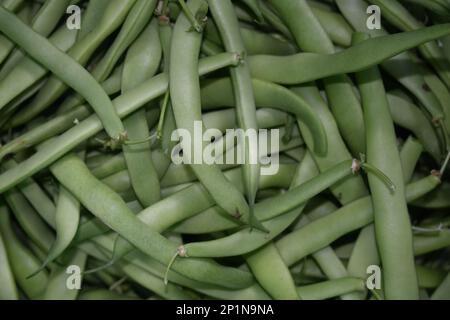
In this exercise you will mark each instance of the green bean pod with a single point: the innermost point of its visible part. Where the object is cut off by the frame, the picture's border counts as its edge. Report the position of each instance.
(403, 67)
(125, 105)
(8, 289)
(217, 93)
(304, 67)
(355, 215)
(185, 97)
(141, 63)
(57, 283)
(343, 102)
(392, 224)
(66, 68)
(93, 194)
(28, 71)
(331, 288)
(139, 16)
(397, 14)
(271, 272)
(227, 23)
(23, 262)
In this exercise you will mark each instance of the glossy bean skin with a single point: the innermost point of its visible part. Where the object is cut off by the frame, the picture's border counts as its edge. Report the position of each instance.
(408, 116)
(217, 93)
(409, 156)
(348, 189)
(304, 67)
(403, 67)
(66, 68)
(402, 19)
(185, 96)
(56, 288)
(78, 55)
(227, 23)
(255, 42)
(342, 100)
(139, 16)
(268, 212)
(43, 22)
(331, 288)
(8, 289)
(125, 105)
(67, 217)
(182, 205)
(73, 174)
(141, 63)
(352, 216)
(28, 71)
(391, 216)
(271, 272)
(23, 262)
(443, 291)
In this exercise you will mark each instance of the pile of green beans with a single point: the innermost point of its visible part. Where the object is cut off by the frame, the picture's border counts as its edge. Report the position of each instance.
(92, 118)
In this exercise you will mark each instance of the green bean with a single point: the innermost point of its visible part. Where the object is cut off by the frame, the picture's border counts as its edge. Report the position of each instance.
(185, 96)
(426, 244)
(271, 272)
(67, 67)
(8, 289)
(437, 199)
(136, 258)
(12, 5)
(397, 15)
(151, 215)
(352, 216)
(23, 262)
(304, 67)
(125, 105)
(434, 6)
(254, 6)
(73, 174)
(227, 23)
(336, 27)
(342, 99)
(67, 217)
(167, 120)
(408, 116)
(255, 42)
(351, 188)
(28, 71)
(141, 63)
(428, 277)
(390, 208)
(228, 246)
(443, 291)
(44, 22)
(154, 283)
(409, 156)
(274, 20)
(29, 220)
(138, 17)
(92, 16)
(402, 67)
(57, 287)
(217, 93)
(326, 258)
(24, 14)
(331, 288)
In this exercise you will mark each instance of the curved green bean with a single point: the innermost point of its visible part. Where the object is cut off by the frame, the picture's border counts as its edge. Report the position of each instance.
(304, 67)
(66, 68)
